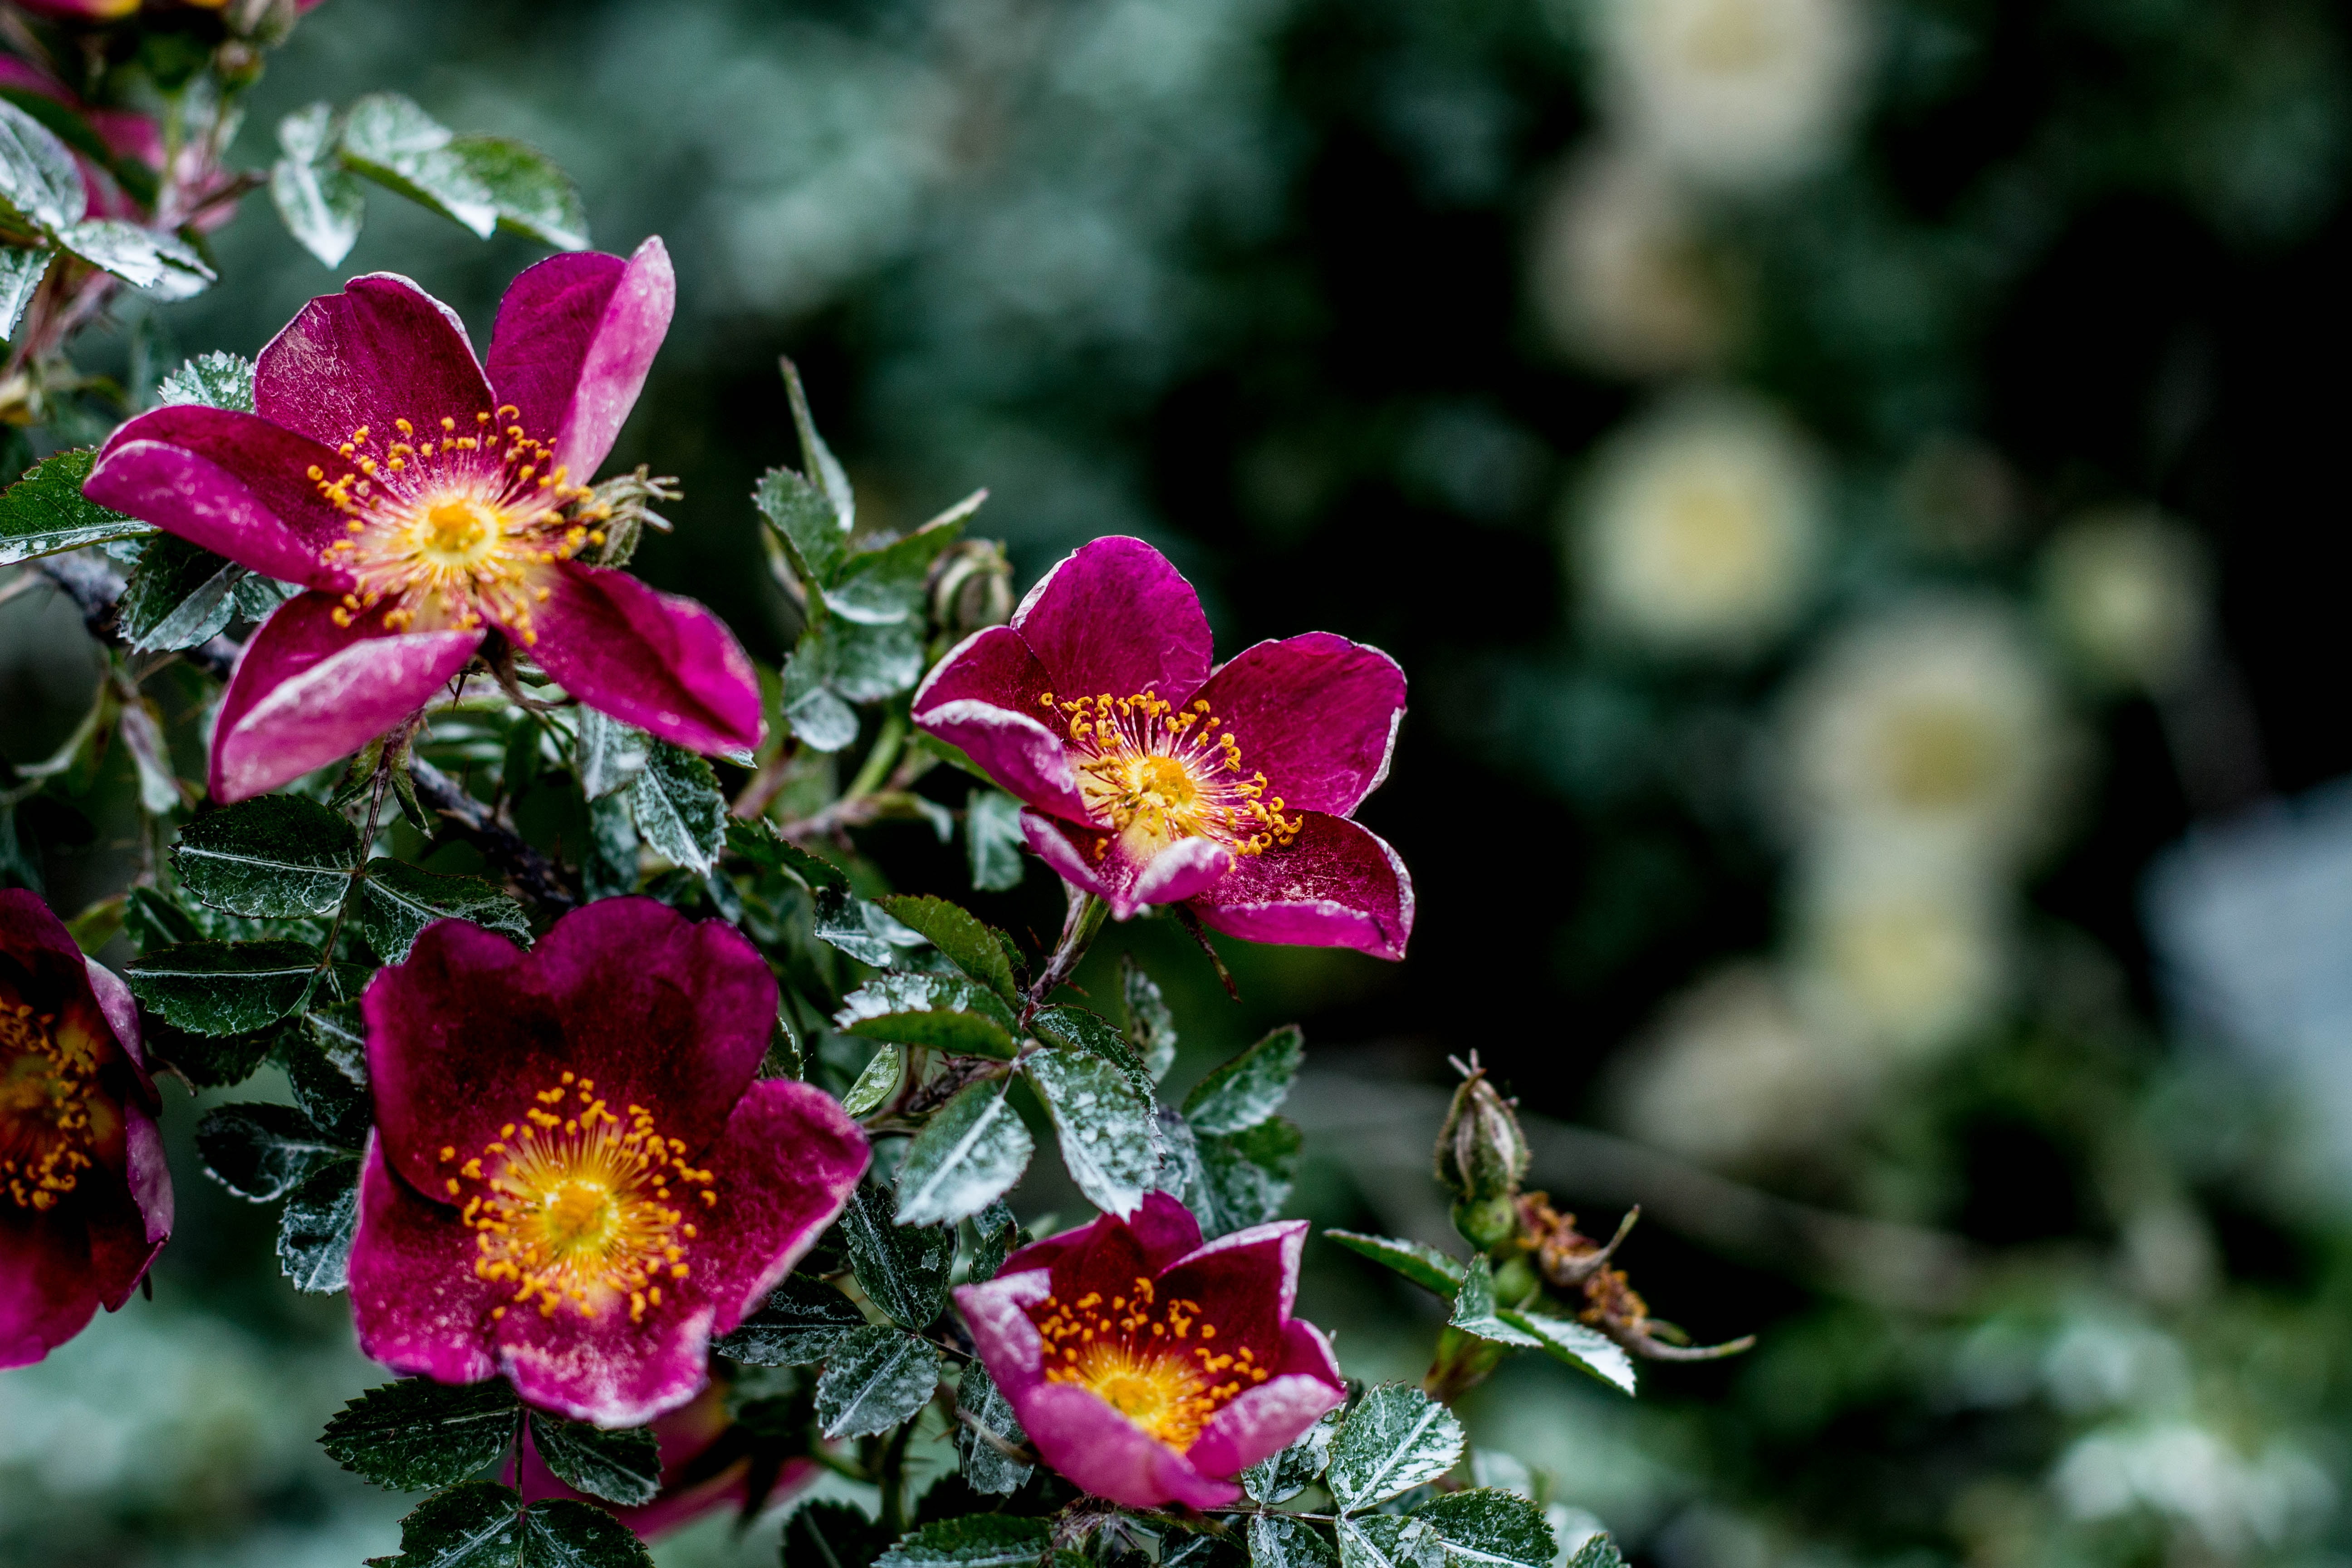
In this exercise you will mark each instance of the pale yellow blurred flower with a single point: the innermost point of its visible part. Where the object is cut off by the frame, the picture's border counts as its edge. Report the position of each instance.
(1618, 270)
(1902, 948)
(2127, 589)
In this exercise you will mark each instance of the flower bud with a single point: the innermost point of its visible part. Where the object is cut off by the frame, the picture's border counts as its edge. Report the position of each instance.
(1481, 1152)
(972, 588)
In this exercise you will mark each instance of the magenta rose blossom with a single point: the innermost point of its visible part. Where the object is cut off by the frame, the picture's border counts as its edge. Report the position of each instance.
(1154, 779)
(85, 1199)
(575, 1180)
(1149, 1369)
(426, 501)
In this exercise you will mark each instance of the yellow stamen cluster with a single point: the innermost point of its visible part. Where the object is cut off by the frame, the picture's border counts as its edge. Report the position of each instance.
(1154, 772)
(448, 529)
(46, 1130)
(1154, 1361)
(578, 1206)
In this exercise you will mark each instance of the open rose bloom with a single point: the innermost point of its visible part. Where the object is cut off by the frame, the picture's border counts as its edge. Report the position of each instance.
(428, 500)
(1150, 1369)
(575, 1180)
(1153, 779)
(85, 1199)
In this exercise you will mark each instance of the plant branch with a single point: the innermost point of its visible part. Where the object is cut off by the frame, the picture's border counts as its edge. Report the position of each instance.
(539, 878)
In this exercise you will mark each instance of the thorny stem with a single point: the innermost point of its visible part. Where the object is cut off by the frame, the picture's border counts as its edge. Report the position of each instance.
(532, 873)
(893, 1480)
(394, 744)
(1084, 918)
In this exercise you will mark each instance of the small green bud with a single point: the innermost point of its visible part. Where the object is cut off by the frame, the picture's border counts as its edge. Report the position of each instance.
(971, 588)
(1487, 1222)
(1515, 1280)
(1481, 1152)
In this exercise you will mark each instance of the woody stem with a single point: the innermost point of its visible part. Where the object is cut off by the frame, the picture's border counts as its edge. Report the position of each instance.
(1079, 926)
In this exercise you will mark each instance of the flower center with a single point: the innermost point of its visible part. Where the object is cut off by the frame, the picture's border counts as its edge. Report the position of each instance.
(450, 530)
(1138, 1354)
(46, 1131)
(1940, 755)
(581, 1207)
(1154, 772)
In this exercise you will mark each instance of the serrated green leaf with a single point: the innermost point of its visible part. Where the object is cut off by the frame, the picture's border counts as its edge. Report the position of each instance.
(976, 1541)
(1279, 1541)
(326, 1067)
(396, 901)
(1388, 1540)
(45, 512)
(392, 141)
(816, 459)
(805, 520)
(1246, 1176)
(986, 1467)
(1474, 1309)
(315, 1232)
(1485, 1527)
(1079, 1029)
(760, 843)
(884, 586)
(946, 1012)
(180, 594)
(876, 1083)
(163, 264)
(1598, 1552)
(316, 197)
(150, 920)
(902, 1269)
(609, 755)
(207, 1061)
(561, 1533)
(971, 944)
(1280, 1476)
(224, 987)
(1395, 1439)
(1587, 1350)
(993, 837)
(680, 813)
(476, 1525)
(532, 196)
(622, 1467)
(272, 857)
(831, 1535)
(968, 1155)
(800, 1324)
(872, 662)
(210, 381)
(875, 1378)
(822, 721)
(1250, 1087)
(610, 868)
(22, 267)
(1203, 1552)
(1424, 1265)
(418, 1434)
(1109, 1142)
(865, 931)
(262, 1151)
(995, 1233)
(1151, 1025)
(38, 180)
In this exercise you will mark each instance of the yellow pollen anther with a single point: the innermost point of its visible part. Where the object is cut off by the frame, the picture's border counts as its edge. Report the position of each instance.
(1128, 1357)
(1151, 773)
(51, 1120)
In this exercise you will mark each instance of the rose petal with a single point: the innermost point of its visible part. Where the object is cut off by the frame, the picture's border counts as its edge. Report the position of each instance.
(307, 691)
(985, 697)
(662, 663)
(1270, 1418)
(238, 485)
(1337, 885)
(1248, 1260)
(785, 1166)
(1317, 714)
(607, 1369)
(381, 350)
(415, 1300)
(1163, 1227)
(1100, 863)
(123, 1234)
(1080, 1434)
(575, 336)
(1115, 617)
(46, 1297)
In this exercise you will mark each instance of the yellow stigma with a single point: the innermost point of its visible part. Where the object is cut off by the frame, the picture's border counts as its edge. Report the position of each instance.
(51, 1123)
(1153, 1362)
(579, 1207)
(1153, 773)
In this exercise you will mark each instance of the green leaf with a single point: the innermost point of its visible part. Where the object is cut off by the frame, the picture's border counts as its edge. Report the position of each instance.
(946, 1012)
(875, 1378)
(760, 843)
(392, 141)
(1109, 1142)
(860, 928)
(22, 267)
(816, 459)
(1279, 1541)
(609, 755)
(316, 197)
(532, 196)
(805, 520)
(1388, 1540)
(1424, 1265)
(224, 987)
(210, 381)
(968, 1155)
(561, 1534)
(38, 181)
(1098, 1035)
(987, 1467)
(263, 1152)
(45, 512)
(820, 720)
(1150, 1026)
(1278, 1478)
(1202, 1551)
(418, 1434)
(622, 1467)
(610, 868)
(831, 1535)
(884, 586)
(272, 857)
(679, 811)
(1487, 1525)
(316, 1230)
(476, 1525)
(995, 1233)
(992, 833)
(873, 1084)
(970, 944)
(396, 901)
(976, 1541)
(1247, 1176)
(163, 264)
(326, 1067)
(903, 1269)
(180, 594)
(1587, 1350)
(207, 1061)
(1395, 1439)
(1474, 1309)
(1598, 1552)
(869, 663)
(1247, 1090)
(803, 1320)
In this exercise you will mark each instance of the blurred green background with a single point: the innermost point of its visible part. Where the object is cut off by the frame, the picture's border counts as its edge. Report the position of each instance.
(1848, 480)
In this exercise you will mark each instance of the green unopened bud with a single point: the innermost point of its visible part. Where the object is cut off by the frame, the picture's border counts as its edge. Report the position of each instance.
(971, 588)
(1481, 1152)
(1487, 1222)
